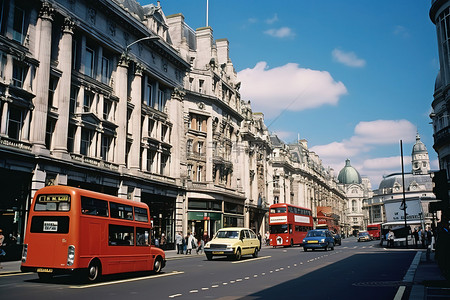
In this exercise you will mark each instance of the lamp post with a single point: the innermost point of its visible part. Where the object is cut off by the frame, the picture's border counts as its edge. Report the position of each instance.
(152, 37)
(403, 206)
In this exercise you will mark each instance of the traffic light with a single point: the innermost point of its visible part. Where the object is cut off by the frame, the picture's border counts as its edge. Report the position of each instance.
(440, 189)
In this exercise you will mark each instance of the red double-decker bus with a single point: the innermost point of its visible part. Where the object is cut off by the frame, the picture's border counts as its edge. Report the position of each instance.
(374, 230)
(288, 224)
(75, 231)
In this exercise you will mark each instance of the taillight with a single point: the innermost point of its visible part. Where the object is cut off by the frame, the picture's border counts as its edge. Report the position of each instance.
(24, 252)
(70, 255)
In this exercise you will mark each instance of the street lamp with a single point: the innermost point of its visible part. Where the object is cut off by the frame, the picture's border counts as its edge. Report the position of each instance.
(152, 37)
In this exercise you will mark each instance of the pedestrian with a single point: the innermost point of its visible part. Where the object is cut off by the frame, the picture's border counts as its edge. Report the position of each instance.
(189, 242)
(391, 238)
(2, 252)
(179, 242)
(201, 245)
(157, 242)
(194, 243)
(267, 235)
(259, 238)
(423, 237)
(428, 236)
(163, 241)
(416, 237)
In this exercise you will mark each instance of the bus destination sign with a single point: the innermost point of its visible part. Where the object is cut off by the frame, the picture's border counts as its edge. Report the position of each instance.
(53, 198)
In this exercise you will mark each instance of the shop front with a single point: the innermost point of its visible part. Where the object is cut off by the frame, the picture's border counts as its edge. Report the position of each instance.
(201, 223)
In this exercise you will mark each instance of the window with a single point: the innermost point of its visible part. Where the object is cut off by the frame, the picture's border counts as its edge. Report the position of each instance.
(18, 74)
(94, 207)
(121, 235)
(106, 108)
(199, 147)
(353, 205)
(49, 133)
(88, 100)
(149, 93)
(71, 138)
(140, 214)
(121, 211)
(106, 144)
(161, 100)
(189, 171)
(105, 70)
(189, 146)
(164, 161)
(2, 11)
(199, 124)
(89, 62)
(142, 236)
(276, 199)
(86, 139)
(15, 122)
(164, 130)
(73, 99)
(19, 25)
(199, 173)
(51, 90)
(200, 85)
(150, 159)
(151, 125)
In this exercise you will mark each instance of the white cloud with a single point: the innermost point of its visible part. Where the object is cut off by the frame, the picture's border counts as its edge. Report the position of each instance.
(302, 88)
(282, 32)
(272, 20)
(348, 58)
(367, 136)
(401, 31)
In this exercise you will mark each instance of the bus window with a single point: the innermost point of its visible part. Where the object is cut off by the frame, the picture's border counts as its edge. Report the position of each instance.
(278, 210)
(121, 211)
(94, 207)
(121, 235)
(140, 214)
(52, 203)
(274, 229)
(142, 236)
(49, 224)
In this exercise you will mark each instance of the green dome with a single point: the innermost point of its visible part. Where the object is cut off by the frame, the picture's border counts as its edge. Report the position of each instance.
(349, 174)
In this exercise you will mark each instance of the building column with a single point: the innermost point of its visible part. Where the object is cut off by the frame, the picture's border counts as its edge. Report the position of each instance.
(65, 65)
(209, 150)
(136, 100)
(4, 123)
(120, 89)
(42, 78)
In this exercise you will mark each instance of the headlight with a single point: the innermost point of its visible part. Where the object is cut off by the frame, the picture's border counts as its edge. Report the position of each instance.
(322, 240)
(229, 246)
(304, 241)
(207, 245)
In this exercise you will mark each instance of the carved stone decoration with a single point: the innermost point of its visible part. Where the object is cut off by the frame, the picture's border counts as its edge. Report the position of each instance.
(69, 26)
(164, 65)
(201, 105)
(47, 11)
(124, 60)
(178, 94)
(91, 15)
(139, 70)
(111, 28)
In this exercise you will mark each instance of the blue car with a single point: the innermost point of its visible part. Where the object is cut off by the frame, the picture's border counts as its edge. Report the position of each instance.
(318, 239)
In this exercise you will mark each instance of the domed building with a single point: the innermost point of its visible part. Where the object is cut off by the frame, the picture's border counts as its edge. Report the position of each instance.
(418, 187)
(358, 190)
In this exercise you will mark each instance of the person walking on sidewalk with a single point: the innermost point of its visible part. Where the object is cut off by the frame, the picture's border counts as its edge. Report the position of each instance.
(189, 241)
(179, 242)
(416, 237)
(2, 252)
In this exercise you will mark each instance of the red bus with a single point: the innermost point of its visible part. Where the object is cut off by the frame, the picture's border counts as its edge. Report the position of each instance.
(288, 224)
(374, 230)
(75, 231)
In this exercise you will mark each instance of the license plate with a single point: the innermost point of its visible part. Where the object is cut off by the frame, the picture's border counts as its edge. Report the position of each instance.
(313, 242)
(44, 270)
(50, 226)
(217, 252)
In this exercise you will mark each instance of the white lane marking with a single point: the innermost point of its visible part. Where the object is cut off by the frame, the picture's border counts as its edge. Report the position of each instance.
(225, 283)
(238, 280)
(400, 291)
(250, 260)
(125, 280)
(14, 274)
(205, 289)
(247, 278)
(175, 295)
(215, 286)
(193, 291)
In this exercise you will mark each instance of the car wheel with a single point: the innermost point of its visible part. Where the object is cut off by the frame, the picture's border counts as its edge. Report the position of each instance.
(238, 254)
(332, 247)
(255, 254)
(157, 267)
(326, 247)
(208, 256)
(305, 249)
(94, 271)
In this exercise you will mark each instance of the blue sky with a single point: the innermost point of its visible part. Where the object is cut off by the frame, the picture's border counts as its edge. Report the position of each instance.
(352, 77)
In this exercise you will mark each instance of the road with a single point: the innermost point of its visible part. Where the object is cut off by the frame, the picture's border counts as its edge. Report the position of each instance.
(352, 271)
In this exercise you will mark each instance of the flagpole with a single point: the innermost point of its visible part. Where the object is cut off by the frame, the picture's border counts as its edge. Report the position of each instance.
(404, 198)
(207, 12)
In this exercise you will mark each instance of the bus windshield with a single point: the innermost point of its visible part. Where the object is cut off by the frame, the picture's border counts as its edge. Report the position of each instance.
(275, 229)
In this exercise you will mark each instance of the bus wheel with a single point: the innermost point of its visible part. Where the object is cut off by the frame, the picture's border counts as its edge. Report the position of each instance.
(94, 271)
(238, 254)
(255, 254)
(157, 267)
(45, 276)
(292, 243)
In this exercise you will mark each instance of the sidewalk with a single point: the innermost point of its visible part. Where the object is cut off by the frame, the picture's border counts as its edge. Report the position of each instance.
(428, 283)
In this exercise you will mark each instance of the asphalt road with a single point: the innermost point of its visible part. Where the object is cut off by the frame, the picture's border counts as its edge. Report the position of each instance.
(352, 271)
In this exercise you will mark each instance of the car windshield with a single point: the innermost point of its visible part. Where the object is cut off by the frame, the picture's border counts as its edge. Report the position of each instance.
(363, 233)
(227, 234)
(315, 233)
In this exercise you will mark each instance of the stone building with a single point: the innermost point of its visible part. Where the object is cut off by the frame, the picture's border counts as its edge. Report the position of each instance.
(417, 186)
(358, 191)
(440, 115)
